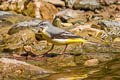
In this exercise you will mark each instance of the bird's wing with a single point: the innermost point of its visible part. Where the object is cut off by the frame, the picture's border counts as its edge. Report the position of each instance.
(57, 33)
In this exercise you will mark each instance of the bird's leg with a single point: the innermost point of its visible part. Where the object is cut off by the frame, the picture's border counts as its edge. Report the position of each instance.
(49, 50)
(27, 56)
(81, 45)
(62, 53)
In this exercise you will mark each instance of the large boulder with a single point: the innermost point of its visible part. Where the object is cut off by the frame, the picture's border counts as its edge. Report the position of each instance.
(40, 9)
(14, 69)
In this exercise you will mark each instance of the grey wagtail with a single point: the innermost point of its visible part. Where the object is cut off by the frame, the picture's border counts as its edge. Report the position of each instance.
(58, 36)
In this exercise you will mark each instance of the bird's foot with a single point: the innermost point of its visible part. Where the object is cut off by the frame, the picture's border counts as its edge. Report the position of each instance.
(63, 54)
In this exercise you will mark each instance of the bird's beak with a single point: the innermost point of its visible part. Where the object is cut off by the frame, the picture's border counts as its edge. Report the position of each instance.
(36, 30)
(41, 27)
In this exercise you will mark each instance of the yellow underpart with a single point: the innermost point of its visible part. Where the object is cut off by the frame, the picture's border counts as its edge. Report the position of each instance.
(75, 40)
(61, 41)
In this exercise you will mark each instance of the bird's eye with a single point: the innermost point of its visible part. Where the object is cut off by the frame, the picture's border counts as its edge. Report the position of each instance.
(41, 24)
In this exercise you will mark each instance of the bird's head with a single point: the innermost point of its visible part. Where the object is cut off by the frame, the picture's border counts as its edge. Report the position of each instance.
(44, 24)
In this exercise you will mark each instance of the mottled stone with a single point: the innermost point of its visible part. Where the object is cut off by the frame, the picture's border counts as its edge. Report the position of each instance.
(70, 16)
(107, 2)
(69, 3)
(14, 5)
(112, 28)
(87, 4)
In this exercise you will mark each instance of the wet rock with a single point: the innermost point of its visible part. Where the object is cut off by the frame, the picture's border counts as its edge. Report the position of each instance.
(112, 28)
(102, 57)
(62, 61)
(14, 69)
(56, 2)
(87, 4)
(92, 62)
(108, 71)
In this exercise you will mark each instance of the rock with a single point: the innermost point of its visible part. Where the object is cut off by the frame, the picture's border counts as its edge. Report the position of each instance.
(7, 20)
(14, 5)
(70, 16)
(36, 8)
(29, 51)
(87, 4)
(4, 18)
(40, 9)
(91, 34)
(56, 2)
(107, 2)
(117, 18)
(111, 27)
(14, 69)
(117, 39)
(69, 3)
(101, 56)
(107, 68)
(29, 24)
(92, 62)
(16, 41)
(118, 2)
(62, 61)
(4, 13)
(116, 43)
(118, 8)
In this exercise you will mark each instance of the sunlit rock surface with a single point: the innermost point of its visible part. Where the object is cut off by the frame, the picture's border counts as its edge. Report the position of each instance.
(14, 69)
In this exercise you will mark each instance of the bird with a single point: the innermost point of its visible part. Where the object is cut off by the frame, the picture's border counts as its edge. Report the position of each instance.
(58, 36)
(46, 30)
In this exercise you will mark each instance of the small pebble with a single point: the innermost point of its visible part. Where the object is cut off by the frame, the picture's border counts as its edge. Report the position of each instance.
(91, 62)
